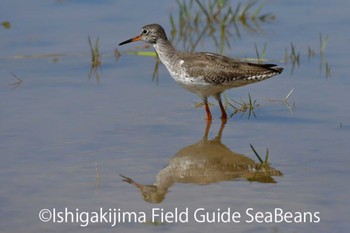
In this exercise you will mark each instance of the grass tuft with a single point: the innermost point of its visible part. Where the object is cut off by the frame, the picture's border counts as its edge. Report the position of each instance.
(294, 56)
(323, 43)
(17, 83)
(95, 53)
(6, 24)
(244, 106)
(265, 161)
(261, 56)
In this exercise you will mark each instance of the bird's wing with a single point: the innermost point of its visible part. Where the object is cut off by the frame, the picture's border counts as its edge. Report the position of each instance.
(218, 69)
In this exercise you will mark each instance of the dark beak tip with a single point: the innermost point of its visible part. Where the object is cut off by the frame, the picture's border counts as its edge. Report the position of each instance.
(137, 38)
(124, 42)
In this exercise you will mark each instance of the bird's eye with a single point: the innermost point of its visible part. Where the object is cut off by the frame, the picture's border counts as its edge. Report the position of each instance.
(144, 31)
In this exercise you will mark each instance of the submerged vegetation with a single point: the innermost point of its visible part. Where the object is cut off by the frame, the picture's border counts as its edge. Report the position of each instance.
(266, 160)
(95, 52)
(243, 106)
(260, 56)
(218, 20)
(293, 55)
(6, 24)
(95, 58)
(17, 83)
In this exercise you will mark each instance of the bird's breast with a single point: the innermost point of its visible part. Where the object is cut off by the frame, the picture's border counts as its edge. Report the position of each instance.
(180, 74)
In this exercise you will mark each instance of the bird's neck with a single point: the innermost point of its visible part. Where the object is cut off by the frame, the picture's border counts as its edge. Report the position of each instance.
(165, 51)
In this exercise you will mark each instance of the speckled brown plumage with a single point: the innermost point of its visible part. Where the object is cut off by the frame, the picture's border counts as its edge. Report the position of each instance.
(217, 69)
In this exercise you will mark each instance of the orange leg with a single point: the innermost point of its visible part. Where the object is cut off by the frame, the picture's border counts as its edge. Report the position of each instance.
(223, 112)
(209, 117)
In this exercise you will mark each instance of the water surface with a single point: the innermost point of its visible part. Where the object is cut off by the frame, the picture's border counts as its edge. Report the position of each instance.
(65, 137)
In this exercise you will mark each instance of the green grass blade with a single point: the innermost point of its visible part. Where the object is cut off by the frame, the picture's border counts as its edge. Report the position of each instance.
(256, 153)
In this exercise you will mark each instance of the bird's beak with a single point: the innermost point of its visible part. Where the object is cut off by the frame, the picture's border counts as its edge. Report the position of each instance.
(137, 38)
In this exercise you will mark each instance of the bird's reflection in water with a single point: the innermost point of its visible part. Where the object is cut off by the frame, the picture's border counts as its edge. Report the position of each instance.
(205, 162)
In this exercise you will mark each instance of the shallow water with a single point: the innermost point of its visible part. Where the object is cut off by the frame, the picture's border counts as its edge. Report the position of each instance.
(66, 137)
